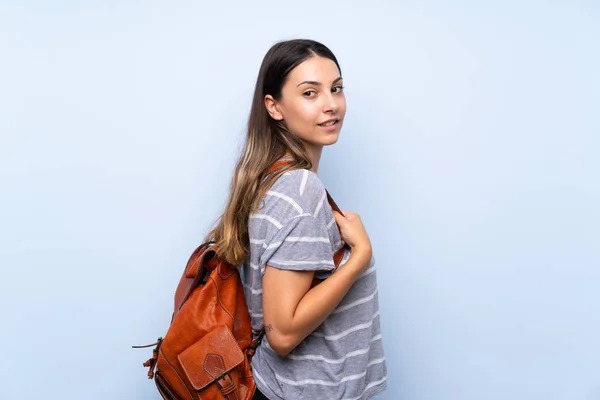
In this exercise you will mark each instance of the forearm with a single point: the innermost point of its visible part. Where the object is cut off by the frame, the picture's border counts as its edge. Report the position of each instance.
(320, 301)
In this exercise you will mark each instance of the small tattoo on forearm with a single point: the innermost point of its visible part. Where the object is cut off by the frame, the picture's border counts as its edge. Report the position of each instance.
(268, 328)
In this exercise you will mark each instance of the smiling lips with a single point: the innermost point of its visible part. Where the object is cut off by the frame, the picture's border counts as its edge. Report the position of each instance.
(329, 122)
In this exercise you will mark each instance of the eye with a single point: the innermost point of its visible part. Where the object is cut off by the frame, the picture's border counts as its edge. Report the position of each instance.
(337, 89)
(309, 93)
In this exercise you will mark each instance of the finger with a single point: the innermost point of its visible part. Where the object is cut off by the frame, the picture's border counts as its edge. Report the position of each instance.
(339, 218)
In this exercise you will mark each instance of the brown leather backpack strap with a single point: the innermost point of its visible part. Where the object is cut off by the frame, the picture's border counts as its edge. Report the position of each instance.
(277, 165)
(332, 203)
(339, 255)
(251, 349)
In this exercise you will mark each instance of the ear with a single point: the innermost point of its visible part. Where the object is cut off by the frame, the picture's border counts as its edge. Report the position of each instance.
(272, 108)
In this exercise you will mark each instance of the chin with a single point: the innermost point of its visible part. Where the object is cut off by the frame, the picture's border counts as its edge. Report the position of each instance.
(332, 140)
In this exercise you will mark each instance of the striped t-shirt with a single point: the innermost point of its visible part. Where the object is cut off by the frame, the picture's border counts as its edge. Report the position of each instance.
(343, 358)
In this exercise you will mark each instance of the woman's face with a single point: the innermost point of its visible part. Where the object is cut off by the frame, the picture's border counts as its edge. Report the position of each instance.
(312, 103)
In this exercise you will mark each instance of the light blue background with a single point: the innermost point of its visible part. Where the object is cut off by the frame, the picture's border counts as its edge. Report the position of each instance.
(471, 149)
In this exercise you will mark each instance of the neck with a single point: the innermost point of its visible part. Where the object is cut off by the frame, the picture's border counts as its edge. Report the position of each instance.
(315, 156)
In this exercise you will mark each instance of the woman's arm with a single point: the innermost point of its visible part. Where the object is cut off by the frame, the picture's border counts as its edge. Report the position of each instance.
(292, 310)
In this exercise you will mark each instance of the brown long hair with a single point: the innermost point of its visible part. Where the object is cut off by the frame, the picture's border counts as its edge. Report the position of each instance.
(267, 141)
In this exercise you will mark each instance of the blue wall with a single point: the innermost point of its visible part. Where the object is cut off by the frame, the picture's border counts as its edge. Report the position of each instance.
(473, 130)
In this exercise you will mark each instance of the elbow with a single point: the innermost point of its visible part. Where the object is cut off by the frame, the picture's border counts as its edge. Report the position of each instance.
(281, 344)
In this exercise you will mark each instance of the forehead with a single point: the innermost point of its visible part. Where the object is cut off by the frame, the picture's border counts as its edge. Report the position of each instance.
(318, 69)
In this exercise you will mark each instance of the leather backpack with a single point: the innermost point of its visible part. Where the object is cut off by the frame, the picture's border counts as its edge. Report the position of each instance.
(207, 349)
(206, 352)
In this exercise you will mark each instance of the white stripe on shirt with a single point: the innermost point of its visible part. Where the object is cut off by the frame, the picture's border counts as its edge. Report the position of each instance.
(347, 331)
(311, 239)
(303, 262)
(330, 224)
(307, 239)
(268, 218)
(320, 205)
(255, 267)
(249, 287)
(329, 383)
(355, 303)
(303, 183)
(286, 198)
(260, 378)
(369, 386)
(319, 357)
(367, 272)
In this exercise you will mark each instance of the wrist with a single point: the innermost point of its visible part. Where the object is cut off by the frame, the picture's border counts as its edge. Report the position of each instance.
(362, 253)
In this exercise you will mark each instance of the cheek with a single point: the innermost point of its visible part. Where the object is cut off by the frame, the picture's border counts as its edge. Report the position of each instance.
(303, 113)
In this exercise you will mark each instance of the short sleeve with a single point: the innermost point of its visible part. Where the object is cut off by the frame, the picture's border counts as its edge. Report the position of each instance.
(301, 244)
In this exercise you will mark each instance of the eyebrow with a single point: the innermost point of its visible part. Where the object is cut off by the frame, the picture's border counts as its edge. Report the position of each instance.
(315, 83)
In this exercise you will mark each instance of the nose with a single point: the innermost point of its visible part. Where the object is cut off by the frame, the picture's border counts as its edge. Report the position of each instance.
(330, 105)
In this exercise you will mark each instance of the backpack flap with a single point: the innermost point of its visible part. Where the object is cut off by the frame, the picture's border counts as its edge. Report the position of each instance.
(199, 264)
(211, 358)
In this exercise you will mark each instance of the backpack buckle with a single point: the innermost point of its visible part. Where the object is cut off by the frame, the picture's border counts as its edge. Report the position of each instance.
(151, 362)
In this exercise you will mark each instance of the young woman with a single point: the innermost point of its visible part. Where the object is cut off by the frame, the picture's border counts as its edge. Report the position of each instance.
(322, 333)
